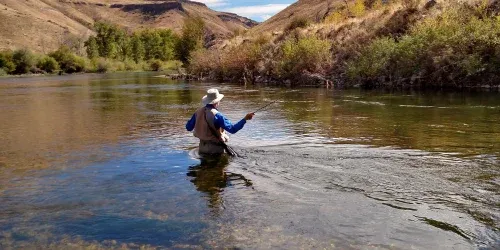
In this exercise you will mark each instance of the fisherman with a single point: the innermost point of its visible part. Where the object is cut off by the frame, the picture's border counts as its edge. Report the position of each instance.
(210, 125)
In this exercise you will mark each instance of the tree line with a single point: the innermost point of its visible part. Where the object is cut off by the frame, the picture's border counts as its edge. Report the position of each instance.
(112, 48)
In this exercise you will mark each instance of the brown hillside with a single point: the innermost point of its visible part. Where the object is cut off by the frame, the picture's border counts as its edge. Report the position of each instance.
(313, 10)
(317, 10)
(43, 25)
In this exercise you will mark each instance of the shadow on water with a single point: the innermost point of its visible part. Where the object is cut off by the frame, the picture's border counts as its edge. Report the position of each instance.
(211, 178)
(445, 226)
(138, 230)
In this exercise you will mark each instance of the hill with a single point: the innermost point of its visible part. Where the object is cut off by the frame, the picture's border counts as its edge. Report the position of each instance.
(43, 25)
(312, 10)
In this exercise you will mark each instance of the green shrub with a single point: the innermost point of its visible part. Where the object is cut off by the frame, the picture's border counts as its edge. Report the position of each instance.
(118, 66)
(3, 72)
(92, 47)
(307, 54)
(130, 65)
(156, 65)
(48, 64)
(24, 60)
(298, 23)
(358, 8)
(374, 61)
(102, 65)
(69, 62)
(6, 61)
(172, 65)
(144, 66)
(336, 17)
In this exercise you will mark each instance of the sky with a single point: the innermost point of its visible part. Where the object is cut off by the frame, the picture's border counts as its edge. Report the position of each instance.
(258, 10)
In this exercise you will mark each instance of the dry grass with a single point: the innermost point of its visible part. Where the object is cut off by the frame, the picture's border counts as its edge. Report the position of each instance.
(312, 10)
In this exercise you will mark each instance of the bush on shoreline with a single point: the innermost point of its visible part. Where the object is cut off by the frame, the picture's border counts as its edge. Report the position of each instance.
(453, 49)
(24, 60)
(6, 62)
(48, 64)
(309, 54)
(69, 62)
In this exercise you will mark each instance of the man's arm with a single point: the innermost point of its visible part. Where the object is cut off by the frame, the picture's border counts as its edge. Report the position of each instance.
(222, 122)
(190, 124)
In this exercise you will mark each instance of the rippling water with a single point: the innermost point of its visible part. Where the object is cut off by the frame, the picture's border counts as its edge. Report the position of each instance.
(104, 161)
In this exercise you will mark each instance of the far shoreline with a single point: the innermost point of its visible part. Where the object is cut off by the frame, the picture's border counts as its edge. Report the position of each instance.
(174, 76)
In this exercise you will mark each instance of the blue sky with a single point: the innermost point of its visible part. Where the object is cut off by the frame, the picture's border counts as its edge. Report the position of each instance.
(258, 10)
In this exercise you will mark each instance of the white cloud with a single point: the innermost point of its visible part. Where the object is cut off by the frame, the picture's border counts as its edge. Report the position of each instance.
(263, 11)
(213, 3)
(265, 17)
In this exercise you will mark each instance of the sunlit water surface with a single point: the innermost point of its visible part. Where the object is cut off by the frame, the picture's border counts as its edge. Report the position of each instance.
(104, 161)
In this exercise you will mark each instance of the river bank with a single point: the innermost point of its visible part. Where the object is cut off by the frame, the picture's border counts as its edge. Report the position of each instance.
(442, 45)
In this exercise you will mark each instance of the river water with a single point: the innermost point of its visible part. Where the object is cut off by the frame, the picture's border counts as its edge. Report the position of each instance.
(104, 161)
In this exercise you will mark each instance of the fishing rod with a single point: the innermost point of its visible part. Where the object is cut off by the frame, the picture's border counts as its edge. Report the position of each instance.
(267, 105)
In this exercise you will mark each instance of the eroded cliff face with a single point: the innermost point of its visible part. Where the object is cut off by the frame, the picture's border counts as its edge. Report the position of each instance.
(43, 25)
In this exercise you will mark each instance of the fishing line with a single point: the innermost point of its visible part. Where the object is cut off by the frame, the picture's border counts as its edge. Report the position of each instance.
(267, 105)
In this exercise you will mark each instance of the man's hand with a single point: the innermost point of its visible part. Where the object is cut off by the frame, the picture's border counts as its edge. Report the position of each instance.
(249, 116)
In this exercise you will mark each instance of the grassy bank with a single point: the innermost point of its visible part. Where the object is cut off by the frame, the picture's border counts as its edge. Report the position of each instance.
(23, 61)
(372, 44)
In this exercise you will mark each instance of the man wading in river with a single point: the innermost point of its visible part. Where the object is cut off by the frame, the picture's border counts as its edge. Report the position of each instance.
(210, 126)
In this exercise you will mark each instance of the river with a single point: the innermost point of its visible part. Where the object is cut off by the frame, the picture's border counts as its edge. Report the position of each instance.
(104, 161)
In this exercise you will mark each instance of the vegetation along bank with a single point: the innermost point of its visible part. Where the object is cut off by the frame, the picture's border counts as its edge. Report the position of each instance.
(111, 49)
(370, 43)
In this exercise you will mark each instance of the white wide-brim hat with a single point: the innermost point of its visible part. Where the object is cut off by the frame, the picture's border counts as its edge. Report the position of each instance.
(213, 96)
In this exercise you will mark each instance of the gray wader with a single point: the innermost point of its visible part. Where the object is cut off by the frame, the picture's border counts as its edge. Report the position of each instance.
(211, 147)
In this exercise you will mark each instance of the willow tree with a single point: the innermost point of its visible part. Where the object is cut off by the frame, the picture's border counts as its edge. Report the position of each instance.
(137, 47)
(191, 39)
(92, 48)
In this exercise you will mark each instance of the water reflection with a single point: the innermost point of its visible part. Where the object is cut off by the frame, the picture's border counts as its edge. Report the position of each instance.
(211, 178)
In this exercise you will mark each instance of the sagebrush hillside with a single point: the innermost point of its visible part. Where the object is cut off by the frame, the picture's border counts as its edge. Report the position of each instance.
(44, 25)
